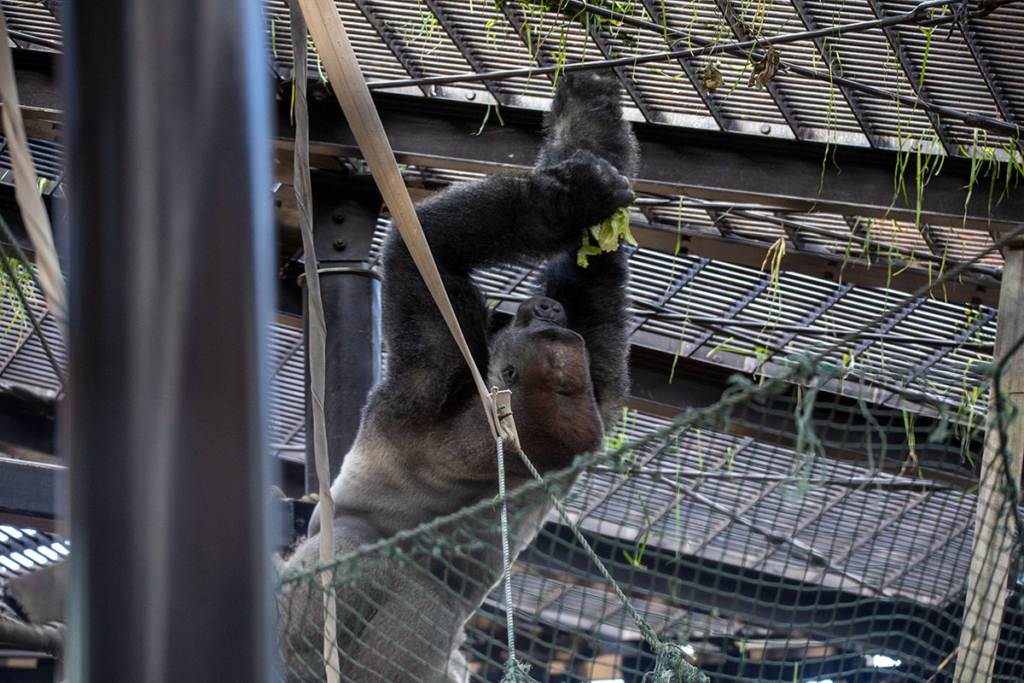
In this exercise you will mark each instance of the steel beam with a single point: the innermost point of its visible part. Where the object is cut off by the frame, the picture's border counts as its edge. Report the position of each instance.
(26, 418)
(27, 488)
(698, 163)
(170, 300)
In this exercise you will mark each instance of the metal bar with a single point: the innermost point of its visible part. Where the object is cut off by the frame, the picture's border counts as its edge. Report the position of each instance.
(983, 318)
(614, 488)
(467, 51)
(739, 29)
(828, 53)
(855, 483)
(653, 8)
(995, 526)
(891, 321)
(808, 519)
(547, 65)
(913, 76)
(795, 548)
(171, 252)
(720, 222)
(33, 40)
(734, 310)
(53, 7)
(815, 313)
(743, 509)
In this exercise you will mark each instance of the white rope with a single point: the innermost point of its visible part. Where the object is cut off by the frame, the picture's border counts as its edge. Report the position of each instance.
(316, 344)
(26, 190)
(346, 79)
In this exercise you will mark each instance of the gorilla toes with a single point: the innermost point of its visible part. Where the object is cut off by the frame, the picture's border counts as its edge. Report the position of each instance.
(540, 308)
(584, 190)
(587, 88)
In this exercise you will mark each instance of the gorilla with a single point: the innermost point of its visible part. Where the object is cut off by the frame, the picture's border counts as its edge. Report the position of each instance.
(424, 448)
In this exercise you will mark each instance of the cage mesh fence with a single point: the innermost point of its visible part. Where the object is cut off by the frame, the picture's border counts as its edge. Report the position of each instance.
(806, 527)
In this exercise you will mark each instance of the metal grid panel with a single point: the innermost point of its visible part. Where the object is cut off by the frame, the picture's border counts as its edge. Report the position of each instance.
(951, 76)
(739, 103)
(867, 57)
(23, 550)
(870, 536)
(817, 105)
(549, 39)
(47, 156)
(419, 36)
(376, 60)
(287, 388)
(484, 29)
(1001, 43)
(663, 86)
(32, 20)
(975, 68)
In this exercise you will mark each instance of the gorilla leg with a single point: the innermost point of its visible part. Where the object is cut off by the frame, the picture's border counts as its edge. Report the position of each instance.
(587, 115)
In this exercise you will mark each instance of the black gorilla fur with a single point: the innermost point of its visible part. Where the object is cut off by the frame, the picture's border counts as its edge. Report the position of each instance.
(424, 448)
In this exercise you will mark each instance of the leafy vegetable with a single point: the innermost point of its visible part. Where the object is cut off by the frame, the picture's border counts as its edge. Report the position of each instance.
(606, 235)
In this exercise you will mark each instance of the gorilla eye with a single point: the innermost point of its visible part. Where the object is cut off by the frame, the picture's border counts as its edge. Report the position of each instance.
(509, 374)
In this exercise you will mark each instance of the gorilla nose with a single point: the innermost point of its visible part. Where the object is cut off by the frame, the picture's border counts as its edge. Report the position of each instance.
(542, 308)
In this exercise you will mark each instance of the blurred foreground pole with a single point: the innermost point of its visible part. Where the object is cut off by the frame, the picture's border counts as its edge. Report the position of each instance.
(170, 278)
(994, 526)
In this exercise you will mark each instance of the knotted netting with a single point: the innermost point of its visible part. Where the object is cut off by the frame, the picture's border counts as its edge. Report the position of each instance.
(826, 519)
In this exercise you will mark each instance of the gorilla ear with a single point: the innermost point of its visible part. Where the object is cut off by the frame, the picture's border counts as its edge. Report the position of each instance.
(509, 374)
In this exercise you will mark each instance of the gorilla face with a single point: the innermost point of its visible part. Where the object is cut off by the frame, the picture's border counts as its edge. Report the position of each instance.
(547, 368)
(537, 353)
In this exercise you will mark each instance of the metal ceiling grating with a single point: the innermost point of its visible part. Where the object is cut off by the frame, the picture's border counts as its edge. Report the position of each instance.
(974, 68)
(967, 69)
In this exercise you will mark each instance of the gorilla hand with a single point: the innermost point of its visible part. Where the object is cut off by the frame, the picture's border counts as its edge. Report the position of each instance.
(581, 191)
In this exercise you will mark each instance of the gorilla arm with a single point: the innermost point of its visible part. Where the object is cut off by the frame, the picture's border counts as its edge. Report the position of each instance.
(501, 219)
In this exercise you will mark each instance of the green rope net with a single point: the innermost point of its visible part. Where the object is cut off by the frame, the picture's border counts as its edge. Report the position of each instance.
(798, 529)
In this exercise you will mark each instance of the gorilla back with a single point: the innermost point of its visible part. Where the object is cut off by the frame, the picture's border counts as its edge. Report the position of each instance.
(424, 449)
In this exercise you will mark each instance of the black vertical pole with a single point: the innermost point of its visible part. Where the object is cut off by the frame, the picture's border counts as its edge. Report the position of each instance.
(344, 217)
(170, 279)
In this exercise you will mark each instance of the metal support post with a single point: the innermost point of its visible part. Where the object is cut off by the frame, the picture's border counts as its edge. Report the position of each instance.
(994, 526)
(170, 274)
(344, 217)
